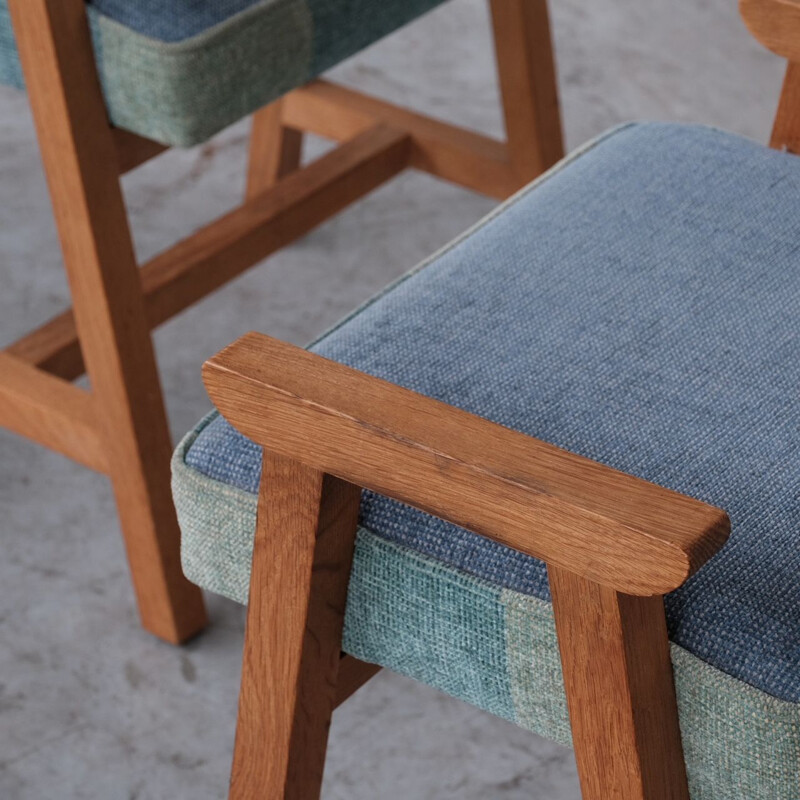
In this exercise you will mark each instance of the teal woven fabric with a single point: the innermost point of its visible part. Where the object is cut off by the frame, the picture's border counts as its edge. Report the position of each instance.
(494, 648)
(168, 78)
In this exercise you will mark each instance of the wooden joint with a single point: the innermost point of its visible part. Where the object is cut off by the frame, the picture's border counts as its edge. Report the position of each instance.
(275, 150)
(612, 528)
(305, 535)
(458, 155)
(620, 691)
(50, 411)
(265, 223)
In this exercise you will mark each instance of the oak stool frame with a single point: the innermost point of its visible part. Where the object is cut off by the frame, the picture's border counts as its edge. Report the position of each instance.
(120, 427)
(614, 545)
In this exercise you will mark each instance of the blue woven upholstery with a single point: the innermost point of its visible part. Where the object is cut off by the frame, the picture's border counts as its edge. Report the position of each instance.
(179, 71)
(638, 306)
(641, 308)
(173, 20)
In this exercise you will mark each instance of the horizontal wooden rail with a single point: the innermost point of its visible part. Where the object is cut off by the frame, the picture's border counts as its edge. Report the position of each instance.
(574, 513)
(50, 411)
(461, 156)
(53, 347)
(208, 259)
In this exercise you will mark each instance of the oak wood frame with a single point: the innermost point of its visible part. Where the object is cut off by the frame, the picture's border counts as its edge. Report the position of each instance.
(776, 24)
(613, 544)
(120, 426)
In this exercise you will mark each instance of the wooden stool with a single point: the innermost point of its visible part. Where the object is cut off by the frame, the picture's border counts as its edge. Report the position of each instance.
(120, 427)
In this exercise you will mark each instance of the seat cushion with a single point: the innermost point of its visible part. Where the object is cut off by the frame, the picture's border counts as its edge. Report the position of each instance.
(637, 305)
(180, 71)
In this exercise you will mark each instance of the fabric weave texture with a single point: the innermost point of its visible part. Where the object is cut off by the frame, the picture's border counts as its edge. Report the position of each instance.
(180, 71)
(637, 306)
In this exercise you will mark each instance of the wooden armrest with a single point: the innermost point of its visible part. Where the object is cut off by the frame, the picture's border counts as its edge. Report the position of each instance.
(571, 512)
(775, 23)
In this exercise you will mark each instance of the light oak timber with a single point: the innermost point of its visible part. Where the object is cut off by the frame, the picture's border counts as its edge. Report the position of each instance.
(116, 304)
(333, 111)
(275, 150)
(526, 69)
(80, 160)
(319, 418)
(571, 512)
(305, 535)
(620, 691)
(271, 220)
(458, 155)
(52, 347)
(786, 130)
(775, 23)
(50, 411)
(191, 269)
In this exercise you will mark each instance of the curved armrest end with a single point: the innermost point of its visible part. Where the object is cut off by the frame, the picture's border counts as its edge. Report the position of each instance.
(529, 495)
(775, 23)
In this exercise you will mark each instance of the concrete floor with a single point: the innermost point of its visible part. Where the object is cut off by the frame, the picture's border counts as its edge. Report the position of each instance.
(91, 707)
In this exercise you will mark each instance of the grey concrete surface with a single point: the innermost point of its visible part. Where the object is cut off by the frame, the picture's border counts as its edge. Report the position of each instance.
(91, 707)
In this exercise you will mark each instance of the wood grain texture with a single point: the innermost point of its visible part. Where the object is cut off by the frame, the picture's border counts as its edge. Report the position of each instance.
(271, 220)
(305, 535)
(620, 691)
(52, 412)
(569, 511)
(275, 150)
(775, 23)
(80, 160)
(455, 154)
(188, 271)
(527, 72)
(467, 158)
(786, 129)
(52, 347)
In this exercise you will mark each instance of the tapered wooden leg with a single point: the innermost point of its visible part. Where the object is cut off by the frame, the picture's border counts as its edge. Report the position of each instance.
(298, 587)
(80, 161)
(275, 150)
(620, 691)
(786, 129)
(526, 68)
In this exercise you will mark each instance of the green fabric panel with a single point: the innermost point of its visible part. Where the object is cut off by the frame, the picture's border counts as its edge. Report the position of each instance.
(459, 649)
(738, 742)
(491, 647)
(181, 93)
(184, 92)
(537, 685)
(424, 620)
(222, 521)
